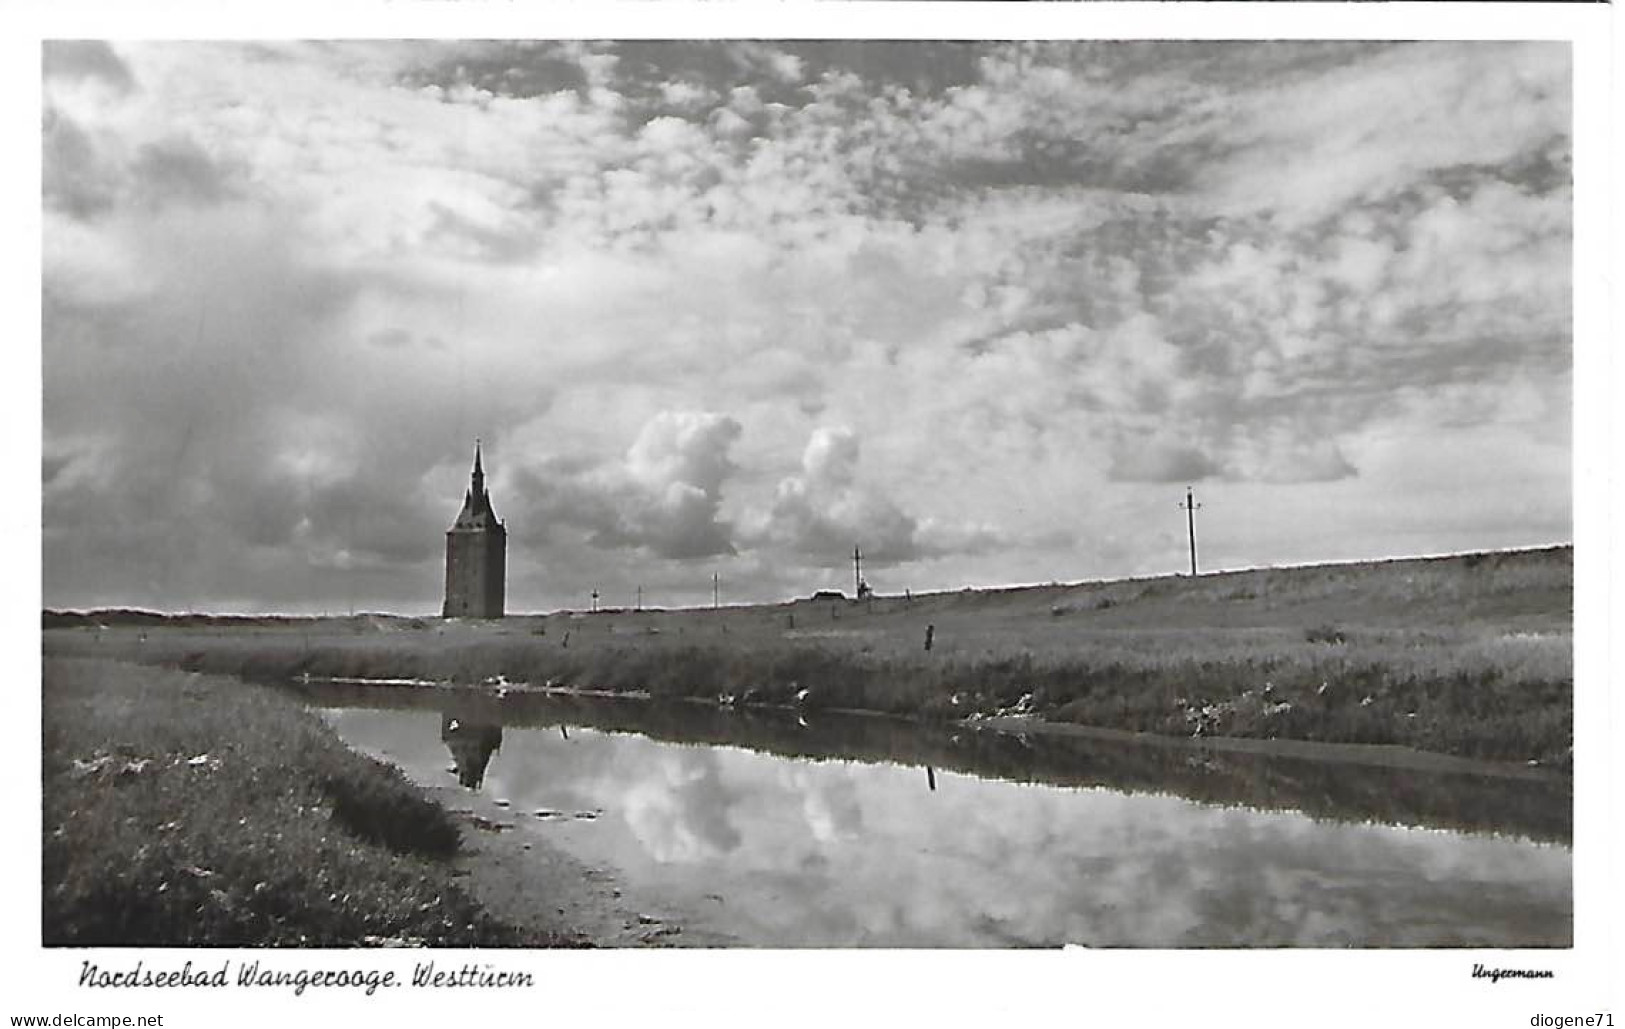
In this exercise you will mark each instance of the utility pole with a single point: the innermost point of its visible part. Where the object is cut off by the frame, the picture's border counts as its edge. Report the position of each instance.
(640, 598)
(716, 589)
(349, 549)
(1190, 507)
(595, 600)
(857, 571)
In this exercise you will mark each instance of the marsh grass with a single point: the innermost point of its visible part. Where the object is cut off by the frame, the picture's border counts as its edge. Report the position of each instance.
(1468, 655)
(191, 810)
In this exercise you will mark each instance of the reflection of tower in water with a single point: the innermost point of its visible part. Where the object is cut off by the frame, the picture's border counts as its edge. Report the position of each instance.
(471, 744)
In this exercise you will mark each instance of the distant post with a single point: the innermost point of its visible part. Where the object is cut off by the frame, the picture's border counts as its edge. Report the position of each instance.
(1190, 507)
(716, 589)
(857, 572)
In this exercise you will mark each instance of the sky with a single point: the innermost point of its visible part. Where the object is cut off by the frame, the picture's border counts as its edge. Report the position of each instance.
(733, 308)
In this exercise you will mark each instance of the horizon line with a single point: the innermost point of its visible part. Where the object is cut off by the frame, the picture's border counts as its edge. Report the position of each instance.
(1009, 587)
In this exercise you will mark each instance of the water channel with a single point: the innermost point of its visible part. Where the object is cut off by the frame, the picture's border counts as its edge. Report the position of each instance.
(768, 828)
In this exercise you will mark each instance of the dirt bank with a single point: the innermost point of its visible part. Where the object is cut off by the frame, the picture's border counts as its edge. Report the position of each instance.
(511, 869)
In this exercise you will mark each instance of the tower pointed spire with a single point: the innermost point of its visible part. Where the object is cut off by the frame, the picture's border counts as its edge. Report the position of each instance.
(476, 552)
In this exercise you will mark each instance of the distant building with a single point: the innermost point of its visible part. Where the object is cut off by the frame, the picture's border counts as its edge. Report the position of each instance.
(476, 555)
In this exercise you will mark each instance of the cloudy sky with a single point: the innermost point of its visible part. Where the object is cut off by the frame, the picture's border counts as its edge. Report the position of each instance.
(984, 310)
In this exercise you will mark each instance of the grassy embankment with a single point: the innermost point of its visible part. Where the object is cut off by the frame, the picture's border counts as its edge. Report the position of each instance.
(1468, 655)
(192, 810)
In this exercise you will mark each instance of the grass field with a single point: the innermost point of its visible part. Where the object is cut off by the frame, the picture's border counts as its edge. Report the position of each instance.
(190, 810)
(1469, 655)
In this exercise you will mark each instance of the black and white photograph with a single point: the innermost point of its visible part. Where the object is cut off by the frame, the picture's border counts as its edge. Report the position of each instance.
(507, 499)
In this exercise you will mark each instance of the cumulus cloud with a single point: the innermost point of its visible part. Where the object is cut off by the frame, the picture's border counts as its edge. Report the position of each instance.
(823, 511)
(677, 467)
(664, 495)
(827, 508)
(285, 284)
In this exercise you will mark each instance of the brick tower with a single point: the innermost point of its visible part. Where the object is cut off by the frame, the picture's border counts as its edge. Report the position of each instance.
(476, 555)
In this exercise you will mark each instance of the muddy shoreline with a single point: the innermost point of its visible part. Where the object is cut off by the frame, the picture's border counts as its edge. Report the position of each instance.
(536, 885)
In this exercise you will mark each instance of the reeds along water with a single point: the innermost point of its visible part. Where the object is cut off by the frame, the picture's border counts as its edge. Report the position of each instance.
(1539, 807)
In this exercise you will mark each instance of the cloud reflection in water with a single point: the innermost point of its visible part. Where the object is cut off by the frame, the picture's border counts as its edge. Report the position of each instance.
(836, 853)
